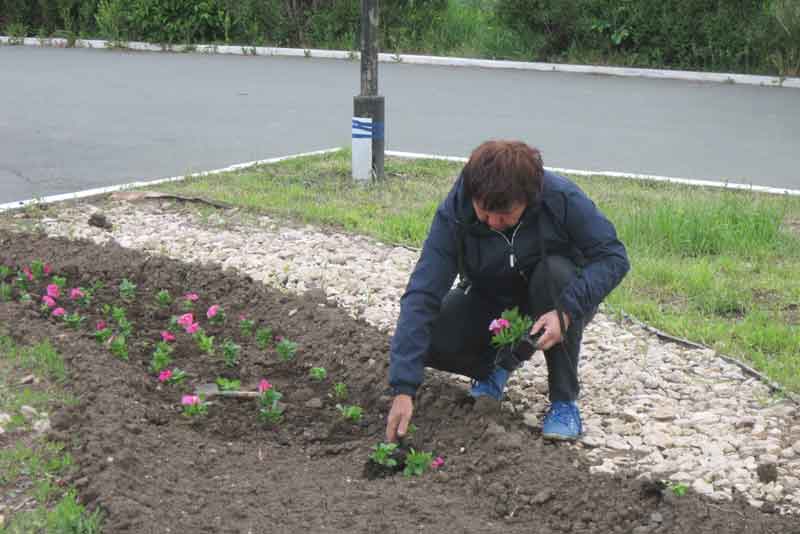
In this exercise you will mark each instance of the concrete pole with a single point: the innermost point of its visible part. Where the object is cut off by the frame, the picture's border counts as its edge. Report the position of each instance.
(369, 104)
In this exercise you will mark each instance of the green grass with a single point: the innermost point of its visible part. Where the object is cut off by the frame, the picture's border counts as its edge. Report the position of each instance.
(714, 266)
(31, 463)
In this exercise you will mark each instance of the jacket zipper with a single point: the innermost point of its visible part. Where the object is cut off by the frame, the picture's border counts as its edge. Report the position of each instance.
(512, 259)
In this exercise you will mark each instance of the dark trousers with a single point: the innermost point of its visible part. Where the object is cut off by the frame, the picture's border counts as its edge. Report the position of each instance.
(461, 337)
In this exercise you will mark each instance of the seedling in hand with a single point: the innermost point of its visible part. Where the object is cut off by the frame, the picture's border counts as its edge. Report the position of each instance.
(286, 349)
(263, 338)
(318, 373)
(417, 463)
(509, 328)
(127, 290)
(351, 412)
(382, 454)
(230, 353)
(163, 298)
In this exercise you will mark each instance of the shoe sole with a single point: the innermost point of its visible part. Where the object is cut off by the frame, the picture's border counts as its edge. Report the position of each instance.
(560, 437)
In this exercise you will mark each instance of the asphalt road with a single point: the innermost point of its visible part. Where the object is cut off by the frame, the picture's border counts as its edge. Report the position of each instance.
(76, 119)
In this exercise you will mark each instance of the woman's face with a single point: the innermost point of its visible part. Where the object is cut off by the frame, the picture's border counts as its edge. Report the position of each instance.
(500, 220)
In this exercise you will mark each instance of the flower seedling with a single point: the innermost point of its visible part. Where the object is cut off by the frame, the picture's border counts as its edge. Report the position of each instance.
(37, 269)
(351, 412)
(59, 312)
(164, 376)
(318, 373)
(417, 463)
(25, 298)
(271, 411)
(177, 377)
(6, 292)
(286, 349)
(102, 332)
(81, 296)
(340, 391)
(53, 291)
(246, 326)
(185, 320)
(509, 328)
(60, 281)
(188, 300)
(230, 353)
(204, 342)
(382, 454)
(263, 338)
(226, 384)
(5, 272)
(48, 301)
(119, 347)
(437, 462)
(162, 357)
(127, 290)
(163, 298)
(216, 315)
(678, 488)
(167, 336)
(412, 429)
(74, 320)
(193, 405)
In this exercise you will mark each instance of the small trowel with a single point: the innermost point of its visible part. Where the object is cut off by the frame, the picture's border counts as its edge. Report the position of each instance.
(212, 390)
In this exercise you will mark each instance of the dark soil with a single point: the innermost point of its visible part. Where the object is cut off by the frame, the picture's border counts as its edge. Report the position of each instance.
(152, 469)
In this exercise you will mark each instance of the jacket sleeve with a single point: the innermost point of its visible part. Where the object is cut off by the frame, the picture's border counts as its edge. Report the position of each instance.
(430, 281)
(607, 260)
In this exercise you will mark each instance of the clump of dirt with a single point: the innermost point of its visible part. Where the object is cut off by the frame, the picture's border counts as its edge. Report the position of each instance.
(151, 469)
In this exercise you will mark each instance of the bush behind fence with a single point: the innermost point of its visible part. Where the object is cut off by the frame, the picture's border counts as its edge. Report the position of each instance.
(754, 36)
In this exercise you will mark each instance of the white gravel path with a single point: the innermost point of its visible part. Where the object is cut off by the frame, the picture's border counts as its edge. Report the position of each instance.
(656, 408)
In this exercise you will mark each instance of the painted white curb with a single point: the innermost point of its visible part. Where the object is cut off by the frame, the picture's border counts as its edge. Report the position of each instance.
(114, 188)
(650, 177)
(663, 74)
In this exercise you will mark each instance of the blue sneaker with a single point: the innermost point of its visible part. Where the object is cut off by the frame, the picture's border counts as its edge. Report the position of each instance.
(562, 422)
(493, 386)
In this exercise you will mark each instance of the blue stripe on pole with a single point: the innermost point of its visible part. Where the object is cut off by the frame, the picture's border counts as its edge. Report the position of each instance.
(360, 125)
(362, 136)
(377, 130)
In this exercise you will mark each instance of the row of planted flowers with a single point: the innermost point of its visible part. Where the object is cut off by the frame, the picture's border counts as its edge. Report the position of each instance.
(72, 306)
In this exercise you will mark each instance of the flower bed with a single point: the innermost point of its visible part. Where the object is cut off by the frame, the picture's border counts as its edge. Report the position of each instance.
(154, 454)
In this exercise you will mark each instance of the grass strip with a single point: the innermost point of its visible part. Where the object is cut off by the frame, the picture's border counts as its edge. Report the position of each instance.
(714, 266)
(30, 463)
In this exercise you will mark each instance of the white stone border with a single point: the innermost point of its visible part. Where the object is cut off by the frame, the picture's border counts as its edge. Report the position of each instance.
(652, 177)
(663, 74)
(114, 188)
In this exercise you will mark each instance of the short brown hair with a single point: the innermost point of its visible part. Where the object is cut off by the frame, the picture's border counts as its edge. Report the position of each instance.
(502, 173)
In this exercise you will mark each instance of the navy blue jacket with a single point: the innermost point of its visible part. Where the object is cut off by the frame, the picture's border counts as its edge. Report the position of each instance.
(570, 225)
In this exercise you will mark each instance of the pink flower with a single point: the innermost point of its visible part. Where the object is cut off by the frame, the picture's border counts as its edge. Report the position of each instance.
(167, 336)
(498, 325)
(47, 269)
(163, 376)
(192, 328)
(192, 297)
(53, 291)
(186, 320)
(437, 463)
(190, 400)
(75, 293)
(28, 273)
(264, 385)
(58, 312)
(213, 311)
(47, 299)
(242, 317)
(278, 339)
(101, 325)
